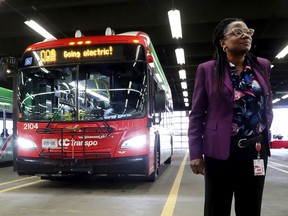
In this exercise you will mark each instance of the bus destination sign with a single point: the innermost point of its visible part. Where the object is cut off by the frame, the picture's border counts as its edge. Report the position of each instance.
(63, 55)
(50, 55)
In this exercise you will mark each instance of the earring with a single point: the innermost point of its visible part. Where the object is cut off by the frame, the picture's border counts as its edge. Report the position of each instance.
(225, 49)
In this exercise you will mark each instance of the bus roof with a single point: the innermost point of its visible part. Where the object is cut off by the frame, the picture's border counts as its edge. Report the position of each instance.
(128, 37)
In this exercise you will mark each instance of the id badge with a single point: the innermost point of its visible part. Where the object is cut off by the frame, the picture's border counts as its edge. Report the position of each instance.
(259, 167)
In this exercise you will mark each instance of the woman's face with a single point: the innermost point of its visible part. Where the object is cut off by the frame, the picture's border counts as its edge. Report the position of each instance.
(237, 38)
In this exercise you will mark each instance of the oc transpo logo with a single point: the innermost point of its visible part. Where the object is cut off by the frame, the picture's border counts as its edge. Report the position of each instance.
(68, 142)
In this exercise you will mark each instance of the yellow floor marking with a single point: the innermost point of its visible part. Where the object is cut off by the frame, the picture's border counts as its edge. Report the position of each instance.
(172, 198)
(20, 186)
(17, 180)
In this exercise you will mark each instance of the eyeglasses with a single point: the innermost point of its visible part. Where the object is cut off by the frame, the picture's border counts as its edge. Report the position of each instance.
(240, 32)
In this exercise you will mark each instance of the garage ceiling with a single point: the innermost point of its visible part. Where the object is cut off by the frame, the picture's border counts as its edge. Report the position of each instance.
(63, 18)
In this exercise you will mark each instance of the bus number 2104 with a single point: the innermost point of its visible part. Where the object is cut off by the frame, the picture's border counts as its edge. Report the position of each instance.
(30, 126)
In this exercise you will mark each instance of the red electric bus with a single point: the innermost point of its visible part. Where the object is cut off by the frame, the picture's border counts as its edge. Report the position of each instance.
(93, 105)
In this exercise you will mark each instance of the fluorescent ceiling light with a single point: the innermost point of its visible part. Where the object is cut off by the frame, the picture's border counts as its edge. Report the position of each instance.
(282, 53)
(184, 85)
(284, 96)
(182, 74)
(180, 55)
(186, 104)
(175, 23)
(185, 93)
(276, 100)
(186, 100)
(39, 29)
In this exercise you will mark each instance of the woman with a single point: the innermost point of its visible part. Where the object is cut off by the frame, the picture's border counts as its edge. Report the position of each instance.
(229, 122)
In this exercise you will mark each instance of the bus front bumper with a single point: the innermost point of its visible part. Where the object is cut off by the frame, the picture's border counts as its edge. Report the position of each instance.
(127, 165)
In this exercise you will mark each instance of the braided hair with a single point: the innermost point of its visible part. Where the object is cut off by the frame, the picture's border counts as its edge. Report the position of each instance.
(220, 55)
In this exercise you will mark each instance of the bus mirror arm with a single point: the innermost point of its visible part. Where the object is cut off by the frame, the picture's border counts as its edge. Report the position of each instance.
(157, 119)
(159, 106)
(150, 122)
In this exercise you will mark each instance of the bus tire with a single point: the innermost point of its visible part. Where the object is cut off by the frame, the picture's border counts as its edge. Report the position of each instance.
(169, 160)
(154, 175)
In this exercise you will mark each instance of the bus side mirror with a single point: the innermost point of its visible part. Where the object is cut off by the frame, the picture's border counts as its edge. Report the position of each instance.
(159, 102)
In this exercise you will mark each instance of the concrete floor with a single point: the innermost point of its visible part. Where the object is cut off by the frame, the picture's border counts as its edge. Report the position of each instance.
(177, 192)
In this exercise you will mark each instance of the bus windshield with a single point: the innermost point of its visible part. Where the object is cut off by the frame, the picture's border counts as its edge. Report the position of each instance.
(85, 92)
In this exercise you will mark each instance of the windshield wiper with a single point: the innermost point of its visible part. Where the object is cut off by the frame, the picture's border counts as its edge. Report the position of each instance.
(57, 114)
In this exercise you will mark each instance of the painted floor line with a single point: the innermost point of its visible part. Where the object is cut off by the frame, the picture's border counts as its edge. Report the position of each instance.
(17, 180)
(172, 197)
(281, 170)
(20, 186)
(278, 164)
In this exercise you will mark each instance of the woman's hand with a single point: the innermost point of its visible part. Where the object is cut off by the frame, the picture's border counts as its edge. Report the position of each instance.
(197, 166)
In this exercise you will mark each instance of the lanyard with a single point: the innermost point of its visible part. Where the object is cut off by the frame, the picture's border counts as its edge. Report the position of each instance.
(258, 149)
(259, 168)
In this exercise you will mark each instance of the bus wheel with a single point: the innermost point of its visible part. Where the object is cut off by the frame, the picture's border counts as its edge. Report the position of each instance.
(155, 174)
(169, 160)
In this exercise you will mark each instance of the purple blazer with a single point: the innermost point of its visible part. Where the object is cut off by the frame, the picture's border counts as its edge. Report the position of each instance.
(210, 119)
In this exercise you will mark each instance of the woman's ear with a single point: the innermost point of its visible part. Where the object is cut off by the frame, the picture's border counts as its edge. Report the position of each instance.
(222, 44)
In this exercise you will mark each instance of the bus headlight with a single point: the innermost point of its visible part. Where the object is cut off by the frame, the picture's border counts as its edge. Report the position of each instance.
(26, 144)
(135, 142)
